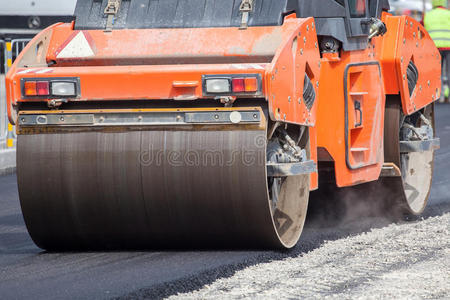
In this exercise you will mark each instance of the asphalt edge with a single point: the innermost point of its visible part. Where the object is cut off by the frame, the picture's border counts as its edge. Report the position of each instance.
(7, 162)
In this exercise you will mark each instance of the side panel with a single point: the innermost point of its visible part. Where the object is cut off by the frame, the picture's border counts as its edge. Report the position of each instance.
(350, 116)
(364, 110)
(298, 55)
(354, 144)
(405, 41)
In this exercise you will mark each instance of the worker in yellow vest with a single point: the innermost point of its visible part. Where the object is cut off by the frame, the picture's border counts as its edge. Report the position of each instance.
(437, 23)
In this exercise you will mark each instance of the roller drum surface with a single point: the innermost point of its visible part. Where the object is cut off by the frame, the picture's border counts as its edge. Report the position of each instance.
(146, 189)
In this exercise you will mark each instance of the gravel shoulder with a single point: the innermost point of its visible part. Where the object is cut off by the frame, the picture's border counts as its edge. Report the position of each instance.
(409, 260)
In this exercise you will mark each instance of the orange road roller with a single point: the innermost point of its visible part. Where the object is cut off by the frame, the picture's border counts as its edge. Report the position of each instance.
(192, 123)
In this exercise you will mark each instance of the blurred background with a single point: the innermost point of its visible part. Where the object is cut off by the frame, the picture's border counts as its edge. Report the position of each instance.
(413, 8)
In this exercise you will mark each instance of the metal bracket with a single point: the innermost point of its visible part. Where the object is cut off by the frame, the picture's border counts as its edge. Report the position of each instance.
(390, 170)
(245, 9)
(105, 119)
(291, 169)
(420, 146)
(377, 28)
(111, 10)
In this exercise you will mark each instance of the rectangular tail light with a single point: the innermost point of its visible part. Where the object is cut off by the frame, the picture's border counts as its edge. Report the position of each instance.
(48, 88)
(232, 84)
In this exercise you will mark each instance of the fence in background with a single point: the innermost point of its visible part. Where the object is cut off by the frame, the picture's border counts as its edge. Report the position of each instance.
(17, 46)
(9, 50)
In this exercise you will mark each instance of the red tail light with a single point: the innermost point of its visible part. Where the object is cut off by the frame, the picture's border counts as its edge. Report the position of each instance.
(42, 88)
(238, 85)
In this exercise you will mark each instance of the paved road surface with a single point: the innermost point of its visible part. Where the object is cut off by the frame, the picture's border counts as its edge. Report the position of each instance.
(28, 272)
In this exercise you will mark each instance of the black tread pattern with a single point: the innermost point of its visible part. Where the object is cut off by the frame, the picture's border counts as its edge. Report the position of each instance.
(412, 73)
(309, 95)
(140, 14)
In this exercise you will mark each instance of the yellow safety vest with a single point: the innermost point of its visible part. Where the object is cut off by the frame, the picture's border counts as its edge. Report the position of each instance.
(437, 23)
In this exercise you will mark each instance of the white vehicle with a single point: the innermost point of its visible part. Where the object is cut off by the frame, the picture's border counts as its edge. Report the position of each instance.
(27, 17)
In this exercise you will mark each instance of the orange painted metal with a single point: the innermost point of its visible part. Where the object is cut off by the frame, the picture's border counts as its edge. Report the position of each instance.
(355, 74)
(154, 64)
(136, 82)
(407, 40)
(169, 46)
(127, 64)
(298, 55)
(357, 151)
(346, 119)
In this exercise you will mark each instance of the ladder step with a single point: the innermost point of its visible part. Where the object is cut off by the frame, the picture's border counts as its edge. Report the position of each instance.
(359, 149)
(358, 93)
(390, 170)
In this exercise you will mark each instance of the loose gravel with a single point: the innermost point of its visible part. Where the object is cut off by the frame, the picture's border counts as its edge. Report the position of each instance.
(401, 261)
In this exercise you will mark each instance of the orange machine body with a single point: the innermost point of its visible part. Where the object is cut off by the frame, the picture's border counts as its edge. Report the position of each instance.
(161, 64)
(365, 78)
